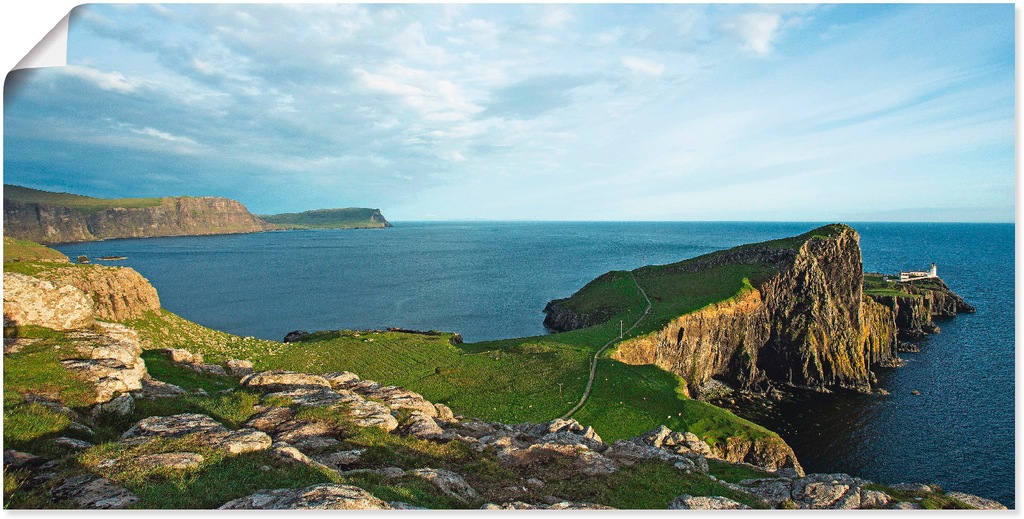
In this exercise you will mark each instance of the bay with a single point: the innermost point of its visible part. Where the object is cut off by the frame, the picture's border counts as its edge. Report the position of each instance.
(491, 280)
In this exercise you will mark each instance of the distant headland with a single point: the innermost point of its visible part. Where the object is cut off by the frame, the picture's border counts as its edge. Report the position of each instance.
(48, 217)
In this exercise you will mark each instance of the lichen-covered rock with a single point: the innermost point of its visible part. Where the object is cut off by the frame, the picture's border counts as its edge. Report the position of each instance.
(170, 461)
(832, 491)
(444, 413)
(32, 301)
(238, 368)
(423, 426)
(117, 293)
(688, 502)
(277, 380)
(341, 379)
(771, 491)
(123, 405)
(563, 505)
(205, 429)
(449, 482)
(269, 419)
(977, 502)
(307, 396)
(72, 443)
(89, 491)
(180, 356)
(153, 389)
(324, 496)
(341, 459)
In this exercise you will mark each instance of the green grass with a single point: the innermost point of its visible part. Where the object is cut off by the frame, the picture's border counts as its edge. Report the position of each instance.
(734, 473)
(644, 486)
(80, 203)
(927, 500)
(163, 369)
(24, 250)
(346, 218)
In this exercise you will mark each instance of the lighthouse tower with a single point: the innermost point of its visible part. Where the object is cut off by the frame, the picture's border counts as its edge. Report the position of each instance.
(935, 271)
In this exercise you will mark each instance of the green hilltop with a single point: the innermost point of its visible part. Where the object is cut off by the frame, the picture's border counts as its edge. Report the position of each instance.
(85, 204)
(344, 218)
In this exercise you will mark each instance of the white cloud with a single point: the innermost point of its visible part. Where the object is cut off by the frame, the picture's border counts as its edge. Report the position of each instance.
(110, 81)
(757, 31)
(554, 17)
(643, 66)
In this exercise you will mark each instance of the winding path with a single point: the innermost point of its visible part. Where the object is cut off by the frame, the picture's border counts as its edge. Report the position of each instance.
(593, 362)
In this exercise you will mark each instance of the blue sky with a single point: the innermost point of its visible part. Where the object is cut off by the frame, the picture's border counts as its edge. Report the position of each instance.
(534, 111)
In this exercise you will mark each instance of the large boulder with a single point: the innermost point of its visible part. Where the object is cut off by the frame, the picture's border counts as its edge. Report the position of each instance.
(277, 380)
(205, 429)
(688, 502)
(977, 502)
(32, 301)
(324, 496)
(117, 293)
(89, 491)
(828, 491)
(449, 482)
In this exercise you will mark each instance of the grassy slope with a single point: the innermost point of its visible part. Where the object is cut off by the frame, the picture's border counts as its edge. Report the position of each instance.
(81, 203)
(346, 218)
(23, 250)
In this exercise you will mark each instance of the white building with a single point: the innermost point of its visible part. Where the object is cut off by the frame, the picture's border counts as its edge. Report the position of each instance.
(914, 275)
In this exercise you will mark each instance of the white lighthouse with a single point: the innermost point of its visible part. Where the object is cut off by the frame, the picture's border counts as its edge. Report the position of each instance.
(934, 271)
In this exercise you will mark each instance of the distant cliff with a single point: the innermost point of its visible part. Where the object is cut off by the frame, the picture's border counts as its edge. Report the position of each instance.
(46, 217)
(346, 218)
(800, 317)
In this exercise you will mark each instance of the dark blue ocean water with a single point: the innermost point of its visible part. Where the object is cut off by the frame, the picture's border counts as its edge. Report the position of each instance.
(491, 280)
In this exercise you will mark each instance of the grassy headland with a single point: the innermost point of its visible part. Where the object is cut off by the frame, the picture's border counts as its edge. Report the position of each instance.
(345, 218)
(85, 204)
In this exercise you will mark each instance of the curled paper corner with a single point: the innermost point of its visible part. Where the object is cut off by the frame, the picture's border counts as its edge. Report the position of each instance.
(51, 51)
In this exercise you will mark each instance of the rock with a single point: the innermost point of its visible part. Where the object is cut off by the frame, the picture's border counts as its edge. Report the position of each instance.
(56, 407)
(535, 483)
(576, 458)
(977, 502)
(371, 414)
(309, 396)
(833, 491)
(448, 482)
(401, 505)
(89, 491)
(561, 505)
(688, 502)
(108, 377)
(277, 380)
(295, 335)
(32, 301)
(170, 460)
(108, 360)
(181, 356)
(341, 379)
(269, 419)
(81, 429)
(244, 440)
(281, 451)
(325, 496)
(17, 460)
(423, 426)
(153, 389)
(13, 345)
(399, 398)
(212, 369)
(569, 438)
(72, 443)
(628, 452)
(207, 430)
(341, 459)
(238, 368)
(117, 293)
(771, 491)
(905, 505)
(123, 405)
(874, 499)
(557, 425)
(655, 437)
(306, 435)
(444, 413)
(686, 466)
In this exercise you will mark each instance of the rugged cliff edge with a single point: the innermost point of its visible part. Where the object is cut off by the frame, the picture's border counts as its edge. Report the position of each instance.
(798, 315)
(46, 217)
(345, 218)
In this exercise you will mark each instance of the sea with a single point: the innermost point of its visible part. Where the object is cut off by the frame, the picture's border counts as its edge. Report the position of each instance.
(491, 280)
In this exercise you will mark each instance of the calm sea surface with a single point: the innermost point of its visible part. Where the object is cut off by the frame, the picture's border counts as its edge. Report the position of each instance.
(491, 281)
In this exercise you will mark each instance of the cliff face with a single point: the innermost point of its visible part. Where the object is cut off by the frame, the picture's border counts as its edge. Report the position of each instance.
(117, 293)
(922, 302)
(179, 216)
(809, 324)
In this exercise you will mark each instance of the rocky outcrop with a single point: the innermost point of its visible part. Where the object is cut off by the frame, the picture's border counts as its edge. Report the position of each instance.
(117, 293)
(176, 216)
(688, 502)
(325, 496)
(922, 302)
(107, 358)
(36, 302)
(808, 324)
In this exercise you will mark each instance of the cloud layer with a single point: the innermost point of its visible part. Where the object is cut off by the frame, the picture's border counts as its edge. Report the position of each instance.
(594, 112)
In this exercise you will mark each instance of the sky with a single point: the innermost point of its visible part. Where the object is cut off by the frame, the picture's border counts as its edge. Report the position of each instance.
(663, 112)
